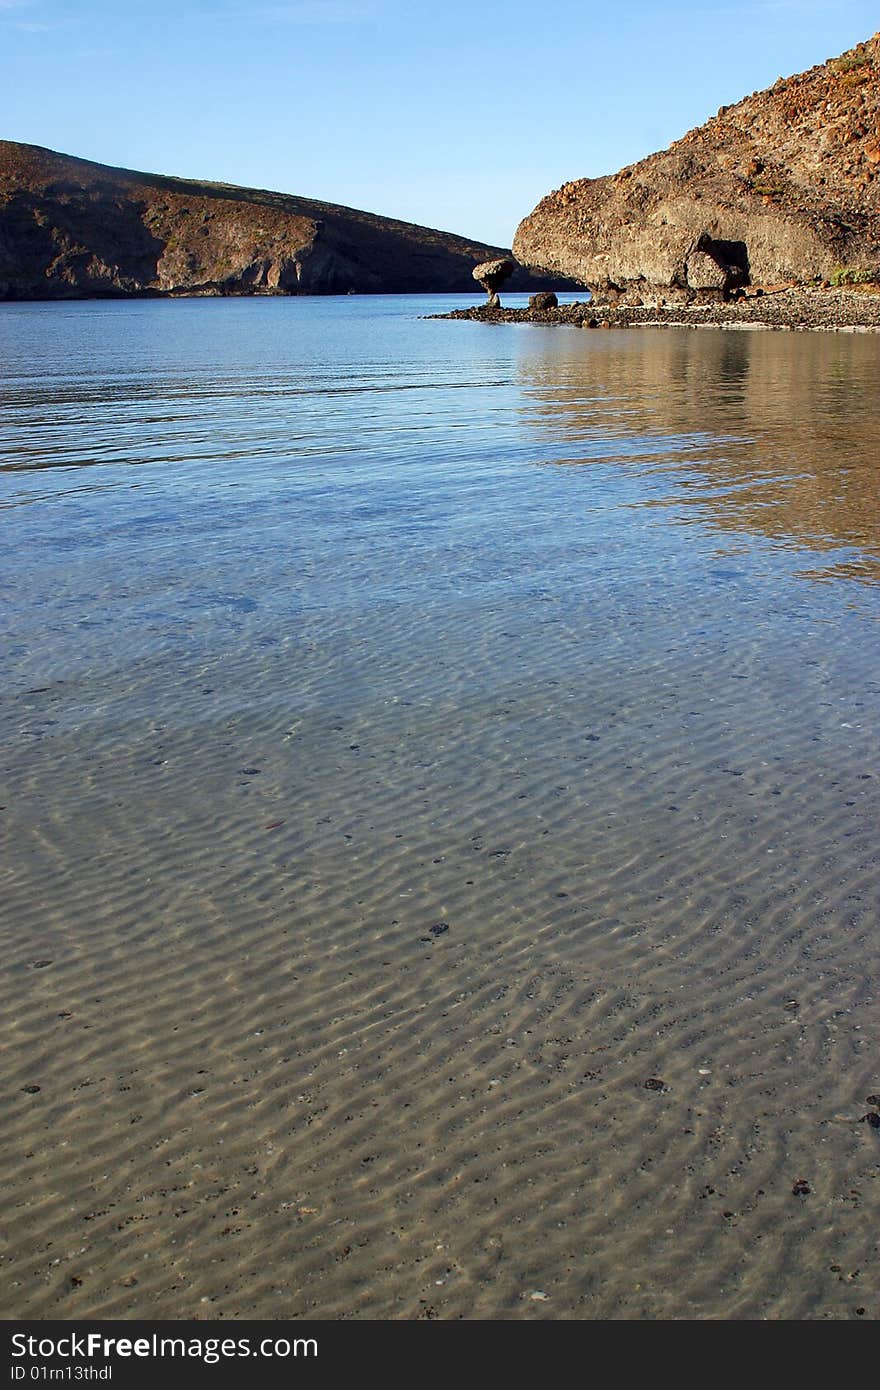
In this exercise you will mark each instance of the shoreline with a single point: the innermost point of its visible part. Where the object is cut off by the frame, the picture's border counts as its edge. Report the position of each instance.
(831, 310)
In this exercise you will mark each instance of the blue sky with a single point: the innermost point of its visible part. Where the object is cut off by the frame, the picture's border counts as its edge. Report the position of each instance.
(459, 116)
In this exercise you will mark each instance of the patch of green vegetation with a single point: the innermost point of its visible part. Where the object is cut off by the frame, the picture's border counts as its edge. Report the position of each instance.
(768, 190)
(850, 61)
(855, 275)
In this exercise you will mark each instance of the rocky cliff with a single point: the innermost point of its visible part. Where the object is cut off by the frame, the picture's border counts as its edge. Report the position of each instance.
(71, 229)
(784, 186)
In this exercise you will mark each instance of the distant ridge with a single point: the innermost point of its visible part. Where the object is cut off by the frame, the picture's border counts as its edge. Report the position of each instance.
(70, 228)
(783, 186)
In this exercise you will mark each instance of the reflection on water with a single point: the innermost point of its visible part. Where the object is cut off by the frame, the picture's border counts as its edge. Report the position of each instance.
(764, 434)
(778, 434)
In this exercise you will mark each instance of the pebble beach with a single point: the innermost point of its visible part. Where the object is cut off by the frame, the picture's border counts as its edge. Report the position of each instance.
(802, 309)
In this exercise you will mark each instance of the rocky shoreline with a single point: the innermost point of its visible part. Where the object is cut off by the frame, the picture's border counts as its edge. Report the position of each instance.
(803, 309)
(783, 187)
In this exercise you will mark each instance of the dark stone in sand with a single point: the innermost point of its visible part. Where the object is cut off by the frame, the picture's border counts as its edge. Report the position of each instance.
(655, 1084)
(31, 1090)
(872, 1100)
(437, 930)
(801, 1188)
(873, 1119)
(41, 964)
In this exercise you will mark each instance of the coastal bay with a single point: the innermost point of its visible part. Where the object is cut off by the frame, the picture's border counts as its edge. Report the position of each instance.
(441, 768)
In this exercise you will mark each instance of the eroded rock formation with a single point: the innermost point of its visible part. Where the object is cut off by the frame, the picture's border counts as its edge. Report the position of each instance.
(492, 275)
(782, 187)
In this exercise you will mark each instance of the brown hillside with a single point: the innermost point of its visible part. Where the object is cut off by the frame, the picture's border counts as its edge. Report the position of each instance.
(70, 228)
(784, 186)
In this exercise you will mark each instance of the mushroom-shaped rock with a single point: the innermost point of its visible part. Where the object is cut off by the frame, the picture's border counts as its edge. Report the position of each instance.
(492, 275)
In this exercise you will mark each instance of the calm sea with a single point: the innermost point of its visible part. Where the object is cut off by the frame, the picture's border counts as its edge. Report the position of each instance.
(418, 736)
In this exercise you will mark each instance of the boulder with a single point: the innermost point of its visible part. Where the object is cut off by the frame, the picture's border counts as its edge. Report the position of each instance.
(544, 299)
(703, 272)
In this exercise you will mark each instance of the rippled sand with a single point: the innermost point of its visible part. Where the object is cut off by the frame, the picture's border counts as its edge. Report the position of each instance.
(372, 841)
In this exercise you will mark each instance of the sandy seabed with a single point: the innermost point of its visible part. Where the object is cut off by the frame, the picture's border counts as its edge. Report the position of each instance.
(528, 1005)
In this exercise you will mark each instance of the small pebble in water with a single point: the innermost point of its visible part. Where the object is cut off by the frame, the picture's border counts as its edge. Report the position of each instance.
(31, 1090)
(437, 930)
(801, 1188)
(655, 1084)
(873, 1119)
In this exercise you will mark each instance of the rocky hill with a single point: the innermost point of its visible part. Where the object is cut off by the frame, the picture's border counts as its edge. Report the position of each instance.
(784, 186)
(72, 229)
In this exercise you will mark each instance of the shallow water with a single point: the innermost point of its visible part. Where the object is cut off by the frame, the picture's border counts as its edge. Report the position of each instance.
(417, 736)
